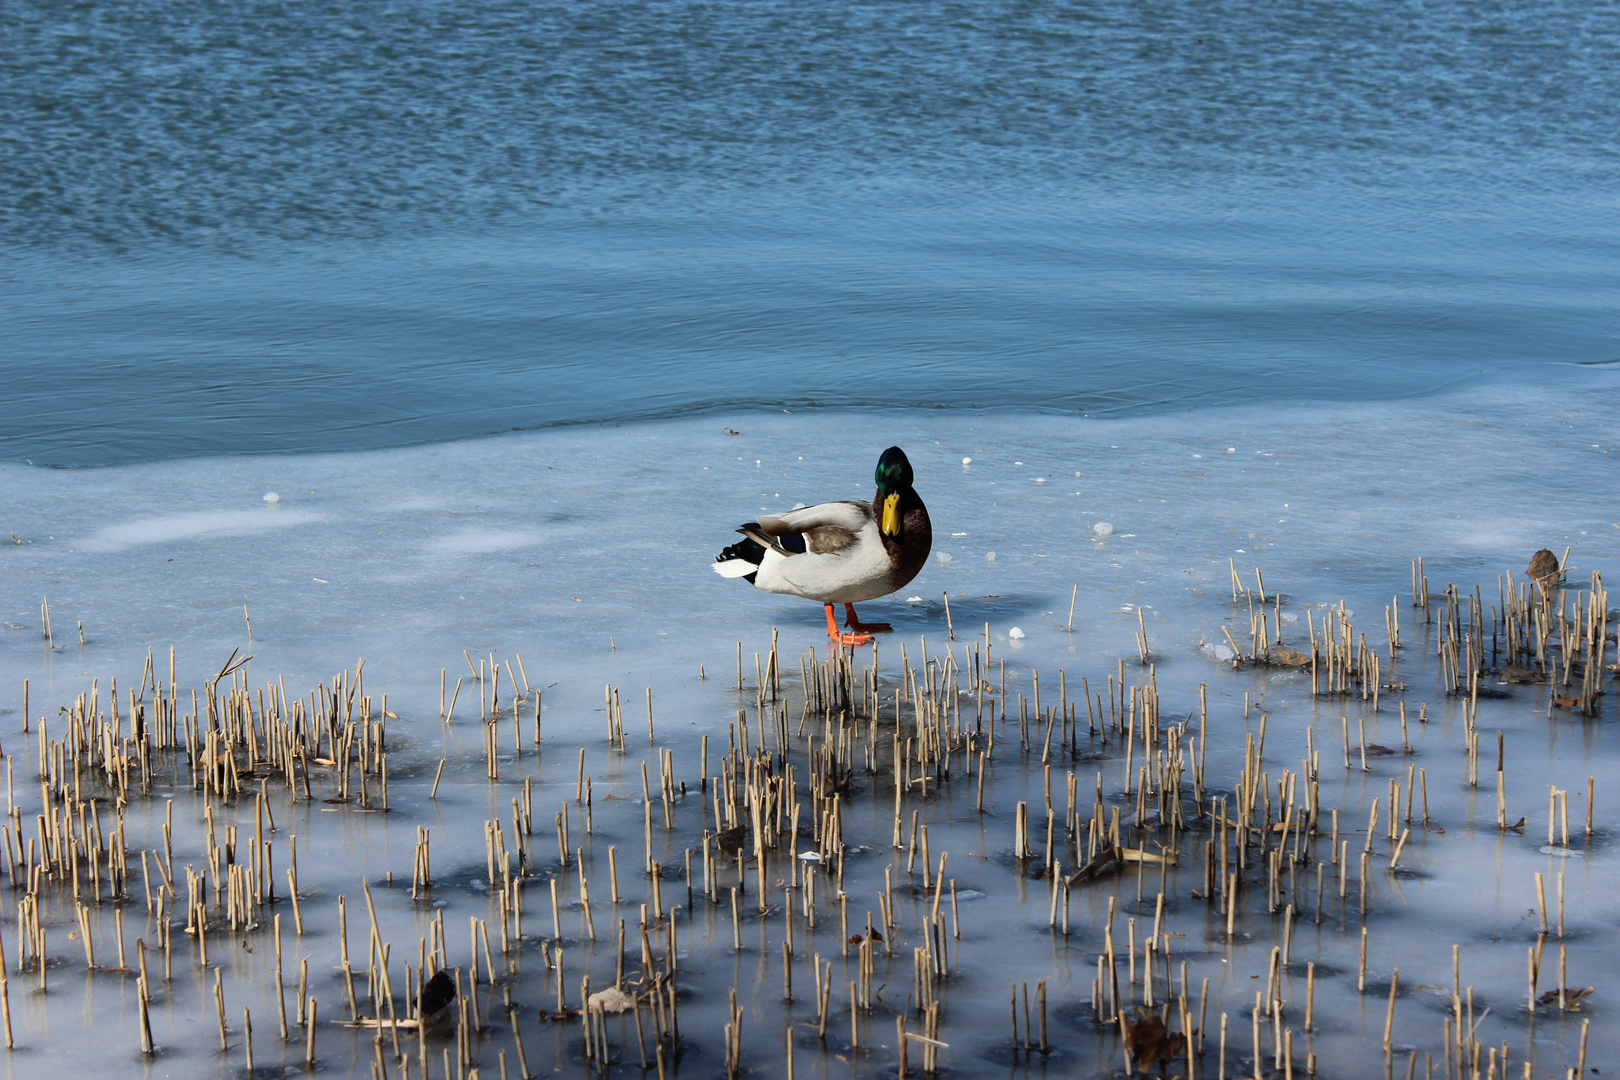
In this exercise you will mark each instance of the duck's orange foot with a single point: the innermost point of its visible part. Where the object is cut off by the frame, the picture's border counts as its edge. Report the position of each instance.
(855, 624)
(852, 638)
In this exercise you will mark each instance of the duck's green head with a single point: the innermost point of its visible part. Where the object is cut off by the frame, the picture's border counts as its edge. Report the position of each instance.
(893, 478)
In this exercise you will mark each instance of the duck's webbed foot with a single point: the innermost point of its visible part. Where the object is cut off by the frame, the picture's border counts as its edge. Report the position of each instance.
(855, 637)
(855, 624)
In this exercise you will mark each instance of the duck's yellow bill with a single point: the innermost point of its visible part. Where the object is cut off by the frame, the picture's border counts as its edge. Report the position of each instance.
(891, 515)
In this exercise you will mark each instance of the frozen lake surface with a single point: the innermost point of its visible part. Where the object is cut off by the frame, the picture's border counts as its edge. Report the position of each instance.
(550, 544)
(581, 556)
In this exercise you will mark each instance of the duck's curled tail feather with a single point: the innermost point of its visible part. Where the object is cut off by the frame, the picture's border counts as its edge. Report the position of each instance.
(742, 559)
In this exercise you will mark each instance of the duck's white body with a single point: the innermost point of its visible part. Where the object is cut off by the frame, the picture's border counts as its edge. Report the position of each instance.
(843, 561)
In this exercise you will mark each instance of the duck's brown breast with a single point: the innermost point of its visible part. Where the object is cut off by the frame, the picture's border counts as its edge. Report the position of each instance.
(910, 552)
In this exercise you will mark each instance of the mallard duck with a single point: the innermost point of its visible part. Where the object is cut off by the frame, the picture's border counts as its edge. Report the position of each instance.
(839, 552)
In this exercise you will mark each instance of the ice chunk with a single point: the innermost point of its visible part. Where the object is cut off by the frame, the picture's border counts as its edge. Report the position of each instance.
(1559, 852)
(611, 1000)
(1103, 528)
(1016, 633)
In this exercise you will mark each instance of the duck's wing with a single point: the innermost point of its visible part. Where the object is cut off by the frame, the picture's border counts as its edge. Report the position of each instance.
(821, 529)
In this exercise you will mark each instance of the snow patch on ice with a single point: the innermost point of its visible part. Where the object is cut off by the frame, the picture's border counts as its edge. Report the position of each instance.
(164, 530)
(480, 541)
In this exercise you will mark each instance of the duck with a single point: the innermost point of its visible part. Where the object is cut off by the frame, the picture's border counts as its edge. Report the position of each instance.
(841, 552)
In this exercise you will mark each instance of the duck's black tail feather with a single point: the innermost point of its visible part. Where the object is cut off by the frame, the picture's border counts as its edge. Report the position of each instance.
(741, 559)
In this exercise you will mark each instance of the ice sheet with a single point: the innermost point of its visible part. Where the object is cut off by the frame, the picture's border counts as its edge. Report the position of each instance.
(586, 553)
(563, 545)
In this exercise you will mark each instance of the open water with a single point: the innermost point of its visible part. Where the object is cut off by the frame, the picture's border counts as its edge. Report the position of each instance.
(242, 228)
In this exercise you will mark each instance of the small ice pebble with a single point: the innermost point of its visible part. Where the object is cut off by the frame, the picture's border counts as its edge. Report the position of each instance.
(1103, 528)
(945, 557)
(990, 557)
(914, 599)
(967, 461)
(1016, 634)
(271, 497)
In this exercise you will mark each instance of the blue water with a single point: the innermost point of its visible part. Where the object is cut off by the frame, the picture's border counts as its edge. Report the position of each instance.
(269, 227)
